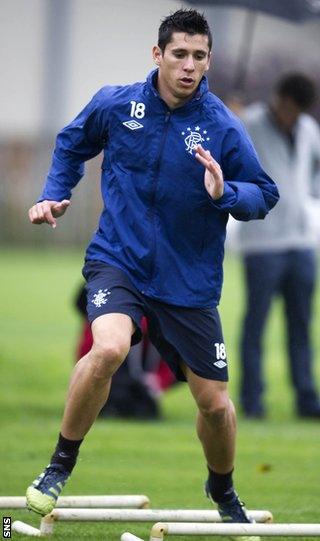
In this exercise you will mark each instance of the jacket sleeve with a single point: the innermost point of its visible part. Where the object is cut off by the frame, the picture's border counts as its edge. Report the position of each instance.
(249, 193)
(81, 140)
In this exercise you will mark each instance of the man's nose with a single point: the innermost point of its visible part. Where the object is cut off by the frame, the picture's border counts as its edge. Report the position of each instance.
(189, 63)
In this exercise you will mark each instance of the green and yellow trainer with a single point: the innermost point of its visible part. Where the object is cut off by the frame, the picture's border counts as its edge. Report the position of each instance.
(42, 495)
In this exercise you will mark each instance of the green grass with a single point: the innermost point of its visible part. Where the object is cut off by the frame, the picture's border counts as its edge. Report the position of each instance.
(38, 330)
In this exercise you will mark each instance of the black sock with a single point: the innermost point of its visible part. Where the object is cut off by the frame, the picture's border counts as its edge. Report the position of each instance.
(220, 486)
(66, 453)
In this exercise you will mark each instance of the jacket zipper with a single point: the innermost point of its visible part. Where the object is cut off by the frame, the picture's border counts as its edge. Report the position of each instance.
(155, 182)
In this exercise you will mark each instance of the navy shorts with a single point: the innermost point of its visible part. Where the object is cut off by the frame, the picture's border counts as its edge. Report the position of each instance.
(191, 335)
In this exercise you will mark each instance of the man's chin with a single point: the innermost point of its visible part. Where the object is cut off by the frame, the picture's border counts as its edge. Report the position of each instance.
(183, 92)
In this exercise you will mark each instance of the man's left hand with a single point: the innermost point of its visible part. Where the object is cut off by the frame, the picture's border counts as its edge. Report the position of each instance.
(213, 177)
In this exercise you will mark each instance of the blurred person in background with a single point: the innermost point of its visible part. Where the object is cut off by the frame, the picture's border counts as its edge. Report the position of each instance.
(176, 164)
(279, 255)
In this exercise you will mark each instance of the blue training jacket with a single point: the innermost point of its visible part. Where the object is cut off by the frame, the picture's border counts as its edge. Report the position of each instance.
(159, 224)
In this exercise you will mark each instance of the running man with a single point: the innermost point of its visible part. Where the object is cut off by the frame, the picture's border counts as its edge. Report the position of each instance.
(176, 164)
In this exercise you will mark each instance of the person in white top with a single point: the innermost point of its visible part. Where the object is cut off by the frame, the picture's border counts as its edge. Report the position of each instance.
(279, 254)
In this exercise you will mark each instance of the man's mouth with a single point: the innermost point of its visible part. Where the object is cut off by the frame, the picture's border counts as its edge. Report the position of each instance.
(187, 81)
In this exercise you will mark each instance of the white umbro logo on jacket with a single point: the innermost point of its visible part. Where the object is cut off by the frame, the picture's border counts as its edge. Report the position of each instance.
(132, 124)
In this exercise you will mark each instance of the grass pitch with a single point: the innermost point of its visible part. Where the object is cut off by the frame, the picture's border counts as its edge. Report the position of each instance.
(277, 459)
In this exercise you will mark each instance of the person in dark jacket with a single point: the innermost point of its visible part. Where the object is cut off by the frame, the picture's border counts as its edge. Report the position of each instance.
(176, 163)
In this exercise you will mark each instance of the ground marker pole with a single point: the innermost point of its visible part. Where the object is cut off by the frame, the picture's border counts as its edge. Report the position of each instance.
(134, 501)
(160, 529)
(127, 536)
(25, 529)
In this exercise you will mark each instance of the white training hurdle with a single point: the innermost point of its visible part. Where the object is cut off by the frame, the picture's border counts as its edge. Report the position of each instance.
(126, 515)
(159, 530)
(184, 522)
(134, 501)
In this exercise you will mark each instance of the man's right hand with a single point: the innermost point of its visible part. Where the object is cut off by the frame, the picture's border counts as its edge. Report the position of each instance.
(47, 211)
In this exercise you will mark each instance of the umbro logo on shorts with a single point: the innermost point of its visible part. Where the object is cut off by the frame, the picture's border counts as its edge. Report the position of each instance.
(220, 364)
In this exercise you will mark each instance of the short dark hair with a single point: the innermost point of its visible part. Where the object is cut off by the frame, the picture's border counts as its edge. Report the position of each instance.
(299, 87)
(184, 20)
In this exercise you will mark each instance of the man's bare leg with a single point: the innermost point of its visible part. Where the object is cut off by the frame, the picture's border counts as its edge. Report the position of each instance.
(88, 391)
(216, 423)
(216, 428)
(90, 383)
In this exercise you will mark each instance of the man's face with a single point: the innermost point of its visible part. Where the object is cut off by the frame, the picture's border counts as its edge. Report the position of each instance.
(287, 112)
(183, 63)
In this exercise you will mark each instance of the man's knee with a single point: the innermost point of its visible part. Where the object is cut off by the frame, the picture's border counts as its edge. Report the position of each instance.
(107, 356)
(216, 410)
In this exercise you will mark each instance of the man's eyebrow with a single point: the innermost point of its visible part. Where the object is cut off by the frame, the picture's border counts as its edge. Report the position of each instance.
(182, 50)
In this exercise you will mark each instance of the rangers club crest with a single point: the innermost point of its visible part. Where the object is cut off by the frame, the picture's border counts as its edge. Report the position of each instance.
(194, 137)
(101, 297)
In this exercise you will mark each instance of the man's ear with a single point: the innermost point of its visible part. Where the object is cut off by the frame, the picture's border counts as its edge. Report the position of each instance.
(210, 60)
(157, 54)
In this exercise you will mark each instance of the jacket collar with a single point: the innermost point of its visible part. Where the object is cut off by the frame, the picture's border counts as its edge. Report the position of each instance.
(199, 96)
